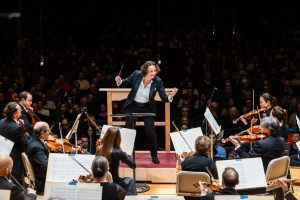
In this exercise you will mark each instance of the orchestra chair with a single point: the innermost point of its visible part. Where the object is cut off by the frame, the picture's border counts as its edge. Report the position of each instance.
(277, 168)
(186, 180)
(28, 169)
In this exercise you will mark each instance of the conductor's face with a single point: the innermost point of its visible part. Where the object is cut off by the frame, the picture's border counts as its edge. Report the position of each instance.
(151, 72)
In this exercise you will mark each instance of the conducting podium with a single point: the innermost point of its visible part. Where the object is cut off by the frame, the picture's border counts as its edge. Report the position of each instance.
(118, 94)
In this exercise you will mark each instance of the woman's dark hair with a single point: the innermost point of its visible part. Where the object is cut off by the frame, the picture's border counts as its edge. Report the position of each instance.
(99, 166)
(144, 67)
(10, 109)
(280, 114)
(268, 97)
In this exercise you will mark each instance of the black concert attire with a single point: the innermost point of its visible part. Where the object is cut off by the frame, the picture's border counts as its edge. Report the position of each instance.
(38, 155)
(26, 117)
(198, 163)
(131, 106)
(268, 149)
(11, 130)
(16, 192)
(225, 191)
(127, 183)
(109, 191)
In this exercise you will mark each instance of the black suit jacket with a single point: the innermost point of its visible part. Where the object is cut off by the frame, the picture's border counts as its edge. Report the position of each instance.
(12, 131)
(268, 149)
(38, 155)
(27, 119)
(16, 193)
(198, 163)
(135, 79)
(225, 191)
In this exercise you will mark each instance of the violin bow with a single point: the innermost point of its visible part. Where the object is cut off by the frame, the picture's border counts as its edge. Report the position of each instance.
(80, 164)
(181, 135)
(61, 137)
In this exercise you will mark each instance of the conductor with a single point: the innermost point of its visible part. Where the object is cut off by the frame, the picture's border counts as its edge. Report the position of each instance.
(144, 84)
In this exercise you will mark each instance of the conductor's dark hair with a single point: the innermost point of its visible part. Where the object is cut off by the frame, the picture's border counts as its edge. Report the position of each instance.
(10, 109)
(23, 95)
(230, 177)
(99, 166)
(144, 67)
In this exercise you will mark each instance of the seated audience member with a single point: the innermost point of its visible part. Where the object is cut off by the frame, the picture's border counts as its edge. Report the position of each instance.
(110, 148)
(100, 169)
(200, 160)
(230, 178)
(294, 151)
(269, 148)
(17, 193)
(38, 154)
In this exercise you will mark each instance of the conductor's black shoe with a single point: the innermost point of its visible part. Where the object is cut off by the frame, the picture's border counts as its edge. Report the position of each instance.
(155, 160)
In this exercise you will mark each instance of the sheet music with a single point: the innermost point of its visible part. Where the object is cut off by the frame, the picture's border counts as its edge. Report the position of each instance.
(5, 146)
(62, 168)
(190, 136)
(79, 191)
(212, 122)
(5, 194)
(127, 138)
(298, 122)
(245, 168)
(246, 197)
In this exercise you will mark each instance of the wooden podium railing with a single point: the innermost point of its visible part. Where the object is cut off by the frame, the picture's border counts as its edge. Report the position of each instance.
(118, 94)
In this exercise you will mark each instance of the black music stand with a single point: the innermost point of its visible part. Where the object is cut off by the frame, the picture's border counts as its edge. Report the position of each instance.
(140, 187)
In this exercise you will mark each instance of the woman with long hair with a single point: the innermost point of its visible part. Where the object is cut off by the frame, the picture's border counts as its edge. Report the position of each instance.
(110, 148)
(282, 116)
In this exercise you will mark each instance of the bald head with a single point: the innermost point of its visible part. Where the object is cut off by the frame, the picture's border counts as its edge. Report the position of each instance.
(6, 164)
(230, 178)
(42, 130)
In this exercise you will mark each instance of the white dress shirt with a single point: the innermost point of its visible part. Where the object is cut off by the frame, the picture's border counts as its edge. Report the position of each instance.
(142, 95)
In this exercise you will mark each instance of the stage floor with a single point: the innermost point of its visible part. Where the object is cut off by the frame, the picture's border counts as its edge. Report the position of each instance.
(165, 172)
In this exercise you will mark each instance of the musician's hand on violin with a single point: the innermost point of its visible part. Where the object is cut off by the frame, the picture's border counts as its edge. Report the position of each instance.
(118, 80)
(253, 120)
(234, 141)
(31, 191)
(202, 189)
(244, 120)
(75, 148)
(283, 185)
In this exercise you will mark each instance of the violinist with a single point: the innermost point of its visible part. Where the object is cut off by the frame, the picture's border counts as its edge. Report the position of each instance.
(269, 148)
(230, 178)
(38, 154)
(25, 101)
(267, 102)
(110, 148)
(17, 191)
(281, 115)
(100, 168)
(200, 160)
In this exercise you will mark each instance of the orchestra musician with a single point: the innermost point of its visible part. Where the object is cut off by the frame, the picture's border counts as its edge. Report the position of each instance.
(269, 148)
(144, 86)
(38, 154)
(281, 115)
(25, 101)
(17, 191)
(230, 178)
(10, 129)
(267, 102)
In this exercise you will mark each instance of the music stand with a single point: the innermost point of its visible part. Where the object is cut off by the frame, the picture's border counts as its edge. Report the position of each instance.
(140, 187)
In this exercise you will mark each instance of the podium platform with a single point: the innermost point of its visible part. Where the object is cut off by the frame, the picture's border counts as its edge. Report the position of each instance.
(165, 172)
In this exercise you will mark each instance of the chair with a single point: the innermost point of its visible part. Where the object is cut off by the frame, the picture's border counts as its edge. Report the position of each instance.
(277, 168)
(28, 169)
(186, 180)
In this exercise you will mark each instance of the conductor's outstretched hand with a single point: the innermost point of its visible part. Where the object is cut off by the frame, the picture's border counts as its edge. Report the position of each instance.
(118, 80)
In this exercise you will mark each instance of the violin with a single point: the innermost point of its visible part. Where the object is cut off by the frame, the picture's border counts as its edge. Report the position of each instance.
(249, 115)
(214, 186)
(54, 144)
(86, 179)
(293, 182)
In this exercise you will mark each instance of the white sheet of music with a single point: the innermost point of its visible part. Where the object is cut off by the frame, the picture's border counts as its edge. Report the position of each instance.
(5, 146)
(189, 135)
(212, 122)
(246, 197)
(5, 194)
(80, 191)
(62, 168)
(246, 169)
(127, 138)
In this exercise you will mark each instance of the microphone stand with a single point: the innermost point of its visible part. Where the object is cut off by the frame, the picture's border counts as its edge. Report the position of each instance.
(205, 120)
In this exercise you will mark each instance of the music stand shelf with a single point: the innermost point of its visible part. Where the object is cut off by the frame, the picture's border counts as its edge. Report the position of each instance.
(118, 94)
